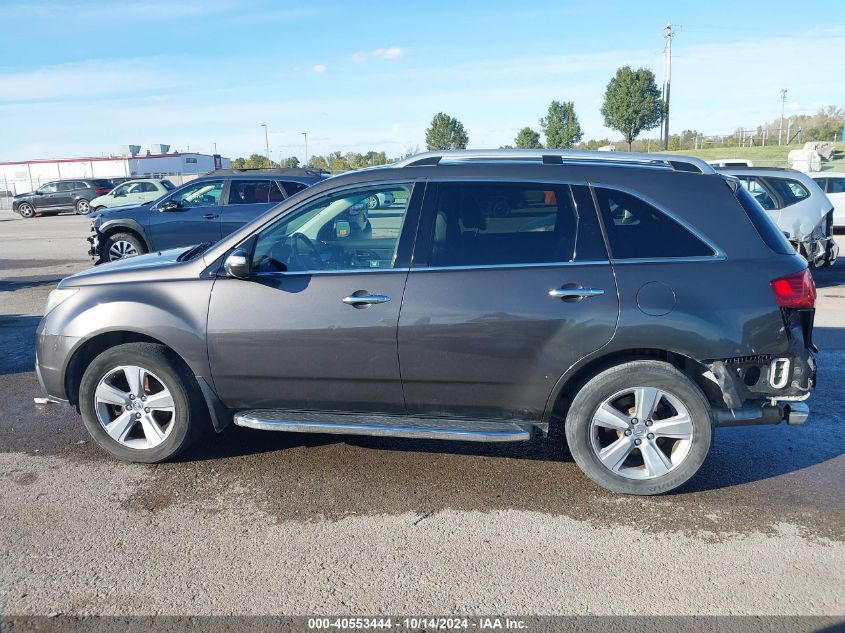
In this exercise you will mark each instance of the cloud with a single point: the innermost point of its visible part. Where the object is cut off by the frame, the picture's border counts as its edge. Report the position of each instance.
(318, 69)
(392, 53)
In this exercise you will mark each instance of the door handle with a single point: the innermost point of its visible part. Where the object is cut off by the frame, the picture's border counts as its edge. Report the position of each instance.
(211, 216)
(573, 292)
(364, 299)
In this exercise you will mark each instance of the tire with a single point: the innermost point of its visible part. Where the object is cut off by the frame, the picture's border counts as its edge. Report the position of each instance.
(127, 243)
(681, 409)
(373, 202)
(26, 210)
(100, 208)
(83, 206)
(131, 439)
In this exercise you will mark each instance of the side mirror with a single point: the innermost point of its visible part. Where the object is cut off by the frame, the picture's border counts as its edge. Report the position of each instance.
(171, 205)
(237, 264)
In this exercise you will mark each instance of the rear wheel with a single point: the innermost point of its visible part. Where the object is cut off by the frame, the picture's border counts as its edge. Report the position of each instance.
(640, 428)
(26, 210)
(122, 245)
(82, 206)
(140, 403)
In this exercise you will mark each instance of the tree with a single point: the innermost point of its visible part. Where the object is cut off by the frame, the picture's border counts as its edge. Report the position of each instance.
(632, 103)
(446, 132)
(528, 139)
(318, 162)
(291, 162)
(561, 125)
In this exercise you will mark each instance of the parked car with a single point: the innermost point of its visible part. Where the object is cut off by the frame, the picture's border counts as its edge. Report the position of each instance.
(731, 162)
(203, 210)
(798, 206)
(61, 195)
(133, 192)
(659, 302)
(833, 184)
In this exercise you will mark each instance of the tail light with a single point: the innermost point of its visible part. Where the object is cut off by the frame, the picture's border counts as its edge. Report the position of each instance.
(102, 191)
(797, 290)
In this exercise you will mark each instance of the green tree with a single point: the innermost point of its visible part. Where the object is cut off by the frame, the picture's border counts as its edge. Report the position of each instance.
(446, 132)
(527, 138)
(291, 162)
(318, 162)
(632, 103)
(561, 125)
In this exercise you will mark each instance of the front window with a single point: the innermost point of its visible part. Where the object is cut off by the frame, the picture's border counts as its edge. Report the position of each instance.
(200, 194)
(50, 187)
(356, 229)
(122, 190)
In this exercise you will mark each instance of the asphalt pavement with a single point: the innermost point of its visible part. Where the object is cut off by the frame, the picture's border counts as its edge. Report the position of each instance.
(262, 523)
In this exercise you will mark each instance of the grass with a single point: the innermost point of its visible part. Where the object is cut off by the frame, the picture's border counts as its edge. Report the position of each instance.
(768, 156)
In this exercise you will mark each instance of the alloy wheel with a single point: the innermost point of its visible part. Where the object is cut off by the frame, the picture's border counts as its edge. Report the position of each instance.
(83, 207)
(122, 249)
(26, 210)
(134, 407)
(641, 433)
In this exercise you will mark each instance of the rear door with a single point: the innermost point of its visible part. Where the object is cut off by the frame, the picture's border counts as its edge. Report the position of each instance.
(195, 219)
(836, 192)
(510, 286)
(246, 200)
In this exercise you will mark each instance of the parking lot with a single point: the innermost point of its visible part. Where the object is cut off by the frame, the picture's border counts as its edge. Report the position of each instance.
(255, 523)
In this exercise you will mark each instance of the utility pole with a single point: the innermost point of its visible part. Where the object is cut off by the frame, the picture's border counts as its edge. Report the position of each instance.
(782, 105)
(266, 143)
(215, 148)
(668, 34)
(305, 136)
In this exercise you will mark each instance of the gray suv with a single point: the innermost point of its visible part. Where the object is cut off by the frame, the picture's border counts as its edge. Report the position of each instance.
(202, 210)
(634, 301)
(61, 195)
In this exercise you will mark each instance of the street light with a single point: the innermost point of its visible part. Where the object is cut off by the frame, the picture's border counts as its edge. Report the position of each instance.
(305, 135)
(266, 143)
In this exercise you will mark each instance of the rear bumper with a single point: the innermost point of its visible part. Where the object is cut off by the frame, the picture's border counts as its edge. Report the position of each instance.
(818, 252)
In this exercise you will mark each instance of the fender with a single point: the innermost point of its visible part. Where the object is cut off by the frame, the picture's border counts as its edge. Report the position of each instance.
(125, 223)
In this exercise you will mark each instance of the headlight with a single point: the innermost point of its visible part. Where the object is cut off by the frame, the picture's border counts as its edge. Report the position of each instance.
(58, 296)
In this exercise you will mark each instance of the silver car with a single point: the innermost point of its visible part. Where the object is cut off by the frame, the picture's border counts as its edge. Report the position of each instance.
(798, 206)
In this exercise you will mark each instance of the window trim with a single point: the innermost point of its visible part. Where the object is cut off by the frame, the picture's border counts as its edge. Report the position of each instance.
(718, 253)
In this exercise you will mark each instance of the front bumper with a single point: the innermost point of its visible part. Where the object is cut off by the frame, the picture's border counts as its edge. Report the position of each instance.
(94, 241)
(52, 353)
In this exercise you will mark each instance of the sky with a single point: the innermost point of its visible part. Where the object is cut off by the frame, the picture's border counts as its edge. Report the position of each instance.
(84, 78)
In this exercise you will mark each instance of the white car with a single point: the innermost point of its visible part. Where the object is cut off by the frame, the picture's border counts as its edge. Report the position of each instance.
(833, 184)
(730, 162)
(797, 205)
(133, 192)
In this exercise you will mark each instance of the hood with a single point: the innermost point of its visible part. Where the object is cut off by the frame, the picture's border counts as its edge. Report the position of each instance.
(111, 212)
(149, 267)
(24, 195)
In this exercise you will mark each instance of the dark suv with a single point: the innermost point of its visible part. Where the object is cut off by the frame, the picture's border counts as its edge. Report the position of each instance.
(203, 210)
(61, 195)
(634, 301)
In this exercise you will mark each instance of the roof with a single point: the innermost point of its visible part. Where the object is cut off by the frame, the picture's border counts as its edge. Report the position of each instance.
(676, 162)
(277, 171)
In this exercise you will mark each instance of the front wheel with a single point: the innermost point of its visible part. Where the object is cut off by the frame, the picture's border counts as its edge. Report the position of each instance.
(26, 210)
(82, 206)
(122, 245)
(139, 403)
(640, 428)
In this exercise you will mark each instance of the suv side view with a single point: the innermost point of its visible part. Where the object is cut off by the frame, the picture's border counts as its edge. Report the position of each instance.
(61, 195)
(202, 210)
(632, 302)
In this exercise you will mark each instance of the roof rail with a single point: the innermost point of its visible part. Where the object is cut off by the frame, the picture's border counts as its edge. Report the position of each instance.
(268, 171)
(560, 157)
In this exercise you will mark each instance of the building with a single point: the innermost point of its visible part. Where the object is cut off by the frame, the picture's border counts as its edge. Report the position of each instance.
(24, 176)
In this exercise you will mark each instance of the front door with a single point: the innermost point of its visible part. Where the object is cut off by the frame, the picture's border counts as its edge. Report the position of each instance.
(47, 196)
(510, 286)
(314, 327)
(195, 219)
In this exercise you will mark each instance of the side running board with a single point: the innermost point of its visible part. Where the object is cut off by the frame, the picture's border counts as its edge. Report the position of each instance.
(294, 421)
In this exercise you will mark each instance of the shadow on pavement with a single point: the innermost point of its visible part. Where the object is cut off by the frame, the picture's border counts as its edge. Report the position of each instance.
(17, 342)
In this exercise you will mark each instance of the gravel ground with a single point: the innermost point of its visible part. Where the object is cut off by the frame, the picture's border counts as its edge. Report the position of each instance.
(262, 523)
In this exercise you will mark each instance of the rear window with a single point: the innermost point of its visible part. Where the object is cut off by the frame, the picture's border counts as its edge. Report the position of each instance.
(637, 230)
(767, 229)
(791, 191)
